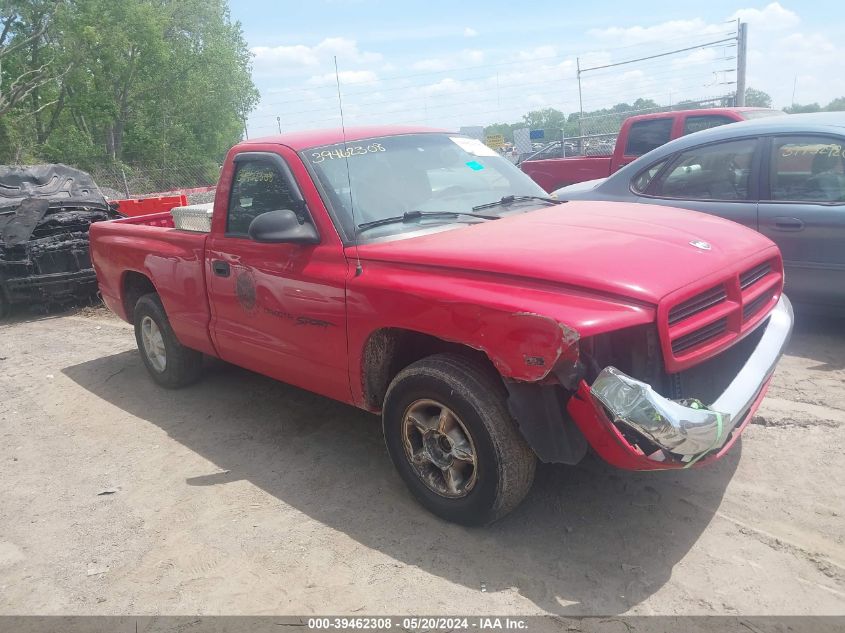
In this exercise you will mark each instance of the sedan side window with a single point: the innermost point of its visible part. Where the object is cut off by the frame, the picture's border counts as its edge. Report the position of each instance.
(808, 169)
(715, 172)
(644, 178)
(257, 187)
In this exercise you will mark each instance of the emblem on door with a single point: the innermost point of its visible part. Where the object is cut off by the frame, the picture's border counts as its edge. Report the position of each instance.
(245, 290)
(705, 246)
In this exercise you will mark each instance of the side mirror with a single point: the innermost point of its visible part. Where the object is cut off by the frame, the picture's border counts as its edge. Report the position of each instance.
(282, 227)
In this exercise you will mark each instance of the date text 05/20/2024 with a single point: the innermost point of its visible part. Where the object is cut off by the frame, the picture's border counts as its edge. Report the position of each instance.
(420, 623)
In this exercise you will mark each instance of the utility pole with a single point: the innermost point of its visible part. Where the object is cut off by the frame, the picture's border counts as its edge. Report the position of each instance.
(580, 100)
(741, 48)
(246, 131)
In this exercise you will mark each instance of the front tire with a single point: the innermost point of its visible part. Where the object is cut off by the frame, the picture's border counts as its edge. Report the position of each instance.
(169, 363)
(453, 441)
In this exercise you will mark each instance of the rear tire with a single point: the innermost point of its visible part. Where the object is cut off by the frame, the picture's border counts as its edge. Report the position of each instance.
(450, 435)
(169, 363)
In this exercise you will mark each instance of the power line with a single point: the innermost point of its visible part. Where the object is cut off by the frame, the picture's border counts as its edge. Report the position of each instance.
(478, 86)
(680, 50)
(642, 91)
(534, 60)
(475, 90)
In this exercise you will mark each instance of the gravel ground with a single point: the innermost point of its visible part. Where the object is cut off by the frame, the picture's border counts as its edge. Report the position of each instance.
(240, 495)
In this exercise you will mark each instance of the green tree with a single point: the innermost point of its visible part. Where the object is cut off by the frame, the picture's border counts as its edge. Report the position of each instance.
(545, 119)
(28, 71)
(156, 82)
(757, 98)
(837, 105)
(505, 129)
(23, 36)
(797, 108)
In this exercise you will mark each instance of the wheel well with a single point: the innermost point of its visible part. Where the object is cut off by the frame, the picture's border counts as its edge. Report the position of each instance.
(135, 286)
(389, 350)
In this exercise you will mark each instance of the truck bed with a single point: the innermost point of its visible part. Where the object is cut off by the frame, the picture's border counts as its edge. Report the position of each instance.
(163, 219)
(554, 173)
(174, 260)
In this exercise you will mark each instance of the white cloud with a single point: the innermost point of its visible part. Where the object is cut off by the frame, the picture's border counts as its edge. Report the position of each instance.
(444, 86)
(771, 18)
(539, 52)
(694, 58)
(778, 52)
(298, 80)
(473, 56)
(467, 57)
(347, 77)
(671, 30)
(298, 54)
(537, 100)
(346, 50)
(433, 64)
(775, 60)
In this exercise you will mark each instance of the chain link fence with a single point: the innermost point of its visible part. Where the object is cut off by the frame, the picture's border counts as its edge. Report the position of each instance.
(138, 181)
(597, 133)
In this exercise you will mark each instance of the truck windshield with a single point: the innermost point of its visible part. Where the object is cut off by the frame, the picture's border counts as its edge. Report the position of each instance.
(390, 176)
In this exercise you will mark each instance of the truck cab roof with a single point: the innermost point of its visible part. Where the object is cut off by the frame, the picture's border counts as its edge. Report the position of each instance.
(307, 139)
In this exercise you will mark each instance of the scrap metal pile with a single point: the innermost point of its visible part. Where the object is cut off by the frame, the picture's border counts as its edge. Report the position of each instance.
(45, 213)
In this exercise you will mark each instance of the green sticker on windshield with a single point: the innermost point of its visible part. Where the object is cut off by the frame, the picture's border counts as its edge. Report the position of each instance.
(475, 165)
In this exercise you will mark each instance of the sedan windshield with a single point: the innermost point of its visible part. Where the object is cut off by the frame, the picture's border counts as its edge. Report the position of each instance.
(392, 176)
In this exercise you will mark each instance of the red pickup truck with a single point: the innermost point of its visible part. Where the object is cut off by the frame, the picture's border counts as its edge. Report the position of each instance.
(417, 274)
(640, 134)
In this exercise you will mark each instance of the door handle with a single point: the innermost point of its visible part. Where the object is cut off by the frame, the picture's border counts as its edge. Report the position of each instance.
(220, 268)
(788, 224)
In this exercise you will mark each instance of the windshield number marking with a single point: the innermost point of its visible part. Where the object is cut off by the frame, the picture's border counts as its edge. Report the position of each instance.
(356, 150)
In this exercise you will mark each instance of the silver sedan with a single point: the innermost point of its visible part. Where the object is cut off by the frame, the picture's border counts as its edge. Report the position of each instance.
(783, 176)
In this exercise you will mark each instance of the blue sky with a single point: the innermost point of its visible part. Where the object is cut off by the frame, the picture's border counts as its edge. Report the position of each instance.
(449, 64)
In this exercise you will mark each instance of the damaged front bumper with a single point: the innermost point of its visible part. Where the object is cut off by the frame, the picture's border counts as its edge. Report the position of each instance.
(681, 432)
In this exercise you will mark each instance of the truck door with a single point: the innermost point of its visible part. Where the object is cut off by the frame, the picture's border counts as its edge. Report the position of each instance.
(802, 210)
(278, 309)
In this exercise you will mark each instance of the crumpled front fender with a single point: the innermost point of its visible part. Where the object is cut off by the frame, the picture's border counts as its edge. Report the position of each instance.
(683, 431)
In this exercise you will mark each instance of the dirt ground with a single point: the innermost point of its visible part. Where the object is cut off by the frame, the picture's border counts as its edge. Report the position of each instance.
(240, 495)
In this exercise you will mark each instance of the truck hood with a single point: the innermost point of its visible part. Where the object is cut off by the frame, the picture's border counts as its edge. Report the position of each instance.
(638, 251)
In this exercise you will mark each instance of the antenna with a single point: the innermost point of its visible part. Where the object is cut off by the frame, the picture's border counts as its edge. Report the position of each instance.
(358, 268)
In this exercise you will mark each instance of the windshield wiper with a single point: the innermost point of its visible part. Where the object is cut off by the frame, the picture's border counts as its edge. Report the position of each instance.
(506, 200)
(410, 216)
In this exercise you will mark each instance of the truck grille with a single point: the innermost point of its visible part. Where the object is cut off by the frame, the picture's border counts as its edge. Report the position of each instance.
(697, 304)
(754, 306)
(701, 325)
(699, 336)
(750, 277)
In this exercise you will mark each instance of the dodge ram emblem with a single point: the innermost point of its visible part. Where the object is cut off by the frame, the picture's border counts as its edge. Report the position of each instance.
(705, 246)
